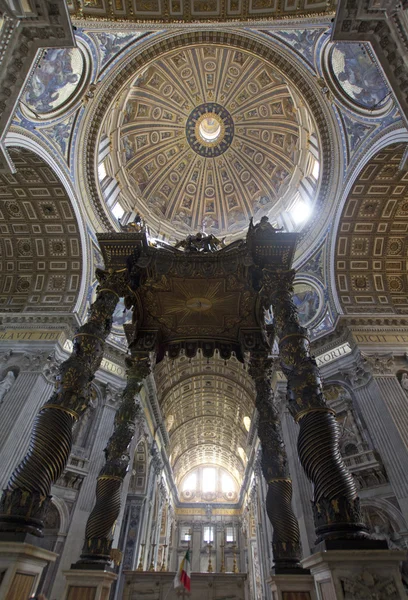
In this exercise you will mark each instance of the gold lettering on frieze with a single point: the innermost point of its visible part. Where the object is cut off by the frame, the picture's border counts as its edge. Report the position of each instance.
(201, 511)
(31, 336)
(112, 367)
(331, 355)
(380, 338)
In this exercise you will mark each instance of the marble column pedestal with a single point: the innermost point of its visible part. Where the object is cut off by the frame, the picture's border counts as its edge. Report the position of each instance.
(292, 587)
(350, 574)
(84, 584)
(21, 567)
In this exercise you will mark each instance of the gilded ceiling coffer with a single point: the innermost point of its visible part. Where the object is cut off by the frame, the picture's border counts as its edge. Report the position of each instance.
(27, 496)
(336, 505)
(101, 521)
(286, 537)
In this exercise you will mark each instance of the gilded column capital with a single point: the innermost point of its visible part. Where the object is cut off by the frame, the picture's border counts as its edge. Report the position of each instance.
(379, 364)
(116, 282)
(358, 374)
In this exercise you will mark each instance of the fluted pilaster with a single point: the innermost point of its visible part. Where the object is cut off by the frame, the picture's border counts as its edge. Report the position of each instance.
(286, 537)
(26, 497)
(386, 437)
(99, 528)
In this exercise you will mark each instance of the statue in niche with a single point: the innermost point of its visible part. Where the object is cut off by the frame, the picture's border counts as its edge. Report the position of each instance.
(6, 384)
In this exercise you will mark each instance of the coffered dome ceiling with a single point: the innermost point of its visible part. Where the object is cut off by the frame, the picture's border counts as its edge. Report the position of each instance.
(206, 137)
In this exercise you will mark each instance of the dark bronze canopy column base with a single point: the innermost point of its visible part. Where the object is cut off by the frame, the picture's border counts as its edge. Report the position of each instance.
(338, 518)
(95, 554)
(22, 513)
(286, 538)
(336, 507)
(26, 500)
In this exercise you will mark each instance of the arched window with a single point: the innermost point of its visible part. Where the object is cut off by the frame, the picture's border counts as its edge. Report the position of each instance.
(209, 483)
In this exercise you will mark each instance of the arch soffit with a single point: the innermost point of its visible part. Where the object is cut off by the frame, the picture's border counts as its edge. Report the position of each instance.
(394, 136)
(63, 512)
(386, 507)
(161, 44)
(17, 140)
(371, 238)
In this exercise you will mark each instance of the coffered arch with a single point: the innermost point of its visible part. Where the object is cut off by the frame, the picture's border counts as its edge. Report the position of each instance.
(371, 243)
(41, 252)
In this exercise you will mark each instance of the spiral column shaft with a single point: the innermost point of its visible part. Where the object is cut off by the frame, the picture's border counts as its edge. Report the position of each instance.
(286, 536)
(101, 521)
(26, 497)
(336, 505)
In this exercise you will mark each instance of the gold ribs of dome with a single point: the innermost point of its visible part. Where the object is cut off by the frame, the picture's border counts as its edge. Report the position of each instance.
(207, 136)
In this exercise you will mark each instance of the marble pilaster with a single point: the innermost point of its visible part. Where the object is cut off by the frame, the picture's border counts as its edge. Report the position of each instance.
(17, 413)
(302, 488)
(386, 435)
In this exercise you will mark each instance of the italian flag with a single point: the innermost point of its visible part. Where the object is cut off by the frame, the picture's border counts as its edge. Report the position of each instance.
(183, 575)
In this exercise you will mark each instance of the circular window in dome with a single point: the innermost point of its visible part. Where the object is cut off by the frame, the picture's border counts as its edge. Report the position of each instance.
(210, 129)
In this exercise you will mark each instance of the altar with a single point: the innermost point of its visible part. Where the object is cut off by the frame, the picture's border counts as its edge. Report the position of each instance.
(204, 586)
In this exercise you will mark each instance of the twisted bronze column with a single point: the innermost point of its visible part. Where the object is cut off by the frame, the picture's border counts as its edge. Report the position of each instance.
(99, 528)
(336, 505)
(286, 536)
(26, 498)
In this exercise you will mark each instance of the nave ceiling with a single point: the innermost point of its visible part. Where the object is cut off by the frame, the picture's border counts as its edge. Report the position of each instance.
(204, 403)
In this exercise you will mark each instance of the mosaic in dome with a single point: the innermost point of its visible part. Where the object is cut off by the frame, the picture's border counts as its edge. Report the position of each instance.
(358, 74)
(207, 137)
(56, 81)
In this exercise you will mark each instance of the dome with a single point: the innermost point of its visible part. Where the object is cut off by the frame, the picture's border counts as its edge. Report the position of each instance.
(204, 138)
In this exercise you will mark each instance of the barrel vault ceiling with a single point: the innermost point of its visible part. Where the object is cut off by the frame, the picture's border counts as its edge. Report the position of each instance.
(204, 402)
